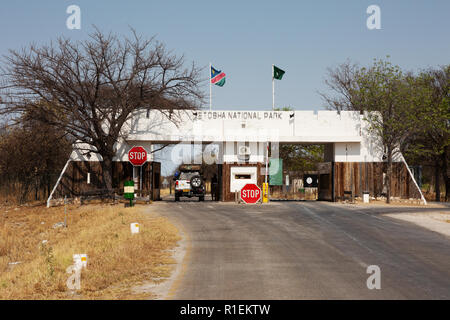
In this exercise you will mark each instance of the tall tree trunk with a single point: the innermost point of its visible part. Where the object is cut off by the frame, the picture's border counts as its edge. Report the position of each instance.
(107, 173)
(388, 176)
(445, 173)
(437, 185)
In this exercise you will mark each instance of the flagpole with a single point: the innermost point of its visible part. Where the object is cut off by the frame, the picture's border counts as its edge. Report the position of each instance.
(273, 89)
(210, 87)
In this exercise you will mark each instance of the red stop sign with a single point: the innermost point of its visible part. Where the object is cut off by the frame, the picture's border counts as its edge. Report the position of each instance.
(137, 156)
(250, 193)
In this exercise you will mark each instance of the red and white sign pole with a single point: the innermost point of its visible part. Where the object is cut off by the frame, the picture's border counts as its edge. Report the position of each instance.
(137, 157)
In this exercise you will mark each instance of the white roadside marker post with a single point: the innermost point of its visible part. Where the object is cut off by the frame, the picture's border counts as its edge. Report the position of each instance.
(80, 260)
(134, 227)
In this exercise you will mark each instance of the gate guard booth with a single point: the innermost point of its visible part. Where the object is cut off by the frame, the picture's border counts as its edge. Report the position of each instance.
(241, 176)
(353, 156)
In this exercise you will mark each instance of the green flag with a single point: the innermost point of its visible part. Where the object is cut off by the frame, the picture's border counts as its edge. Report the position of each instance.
(278, 73)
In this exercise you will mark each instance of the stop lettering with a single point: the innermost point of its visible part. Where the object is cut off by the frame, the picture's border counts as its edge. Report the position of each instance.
(138, 155)
(250, 193)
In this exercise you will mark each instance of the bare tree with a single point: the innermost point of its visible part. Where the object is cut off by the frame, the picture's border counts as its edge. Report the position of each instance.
(89, 89)
(341, 81)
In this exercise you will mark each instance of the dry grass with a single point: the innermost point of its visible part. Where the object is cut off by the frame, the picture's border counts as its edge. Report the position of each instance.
(164, 192)
(117, 260)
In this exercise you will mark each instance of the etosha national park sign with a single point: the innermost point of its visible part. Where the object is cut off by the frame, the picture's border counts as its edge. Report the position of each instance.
(238, 115)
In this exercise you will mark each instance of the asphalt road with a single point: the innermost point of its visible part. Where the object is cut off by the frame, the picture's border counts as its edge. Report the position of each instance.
(306, 250)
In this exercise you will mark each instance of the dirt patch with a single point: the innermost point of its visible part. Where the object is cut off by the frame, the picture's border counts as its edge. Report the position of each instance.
(414, 203)
(436, 221)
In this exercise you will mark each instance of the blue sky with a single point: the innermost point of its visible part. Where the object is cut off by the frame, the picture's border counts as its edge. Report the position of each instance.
(244, 38)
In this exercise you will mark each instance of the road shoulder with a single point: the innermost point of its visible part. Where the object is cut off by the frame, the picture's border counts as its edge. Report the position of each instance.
(435, 221)
(165, 288)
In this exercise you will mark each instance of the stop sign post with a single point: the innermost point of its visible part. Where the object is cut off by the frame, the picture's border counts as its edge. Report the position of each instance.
(250, 193)
(137, 157)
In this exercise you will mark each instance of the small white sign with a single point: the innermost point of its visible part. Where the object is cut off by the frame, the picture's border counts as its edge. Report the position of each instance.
(134, 227)
(80, 260)
(366, 198)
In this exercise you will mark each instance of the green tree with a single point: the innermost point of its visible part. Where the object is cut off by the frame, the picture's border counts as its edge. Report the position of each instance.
(390, 100)
(297, 157)
(431, 143)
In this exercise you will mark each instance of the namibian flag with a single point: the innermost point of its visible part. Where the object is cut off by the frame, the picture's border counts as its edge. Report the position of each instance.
(217, 77)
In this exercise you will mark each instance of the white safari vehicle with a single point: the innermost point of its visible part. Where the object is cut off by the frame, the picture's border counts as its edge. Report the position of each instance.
(189, 183)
